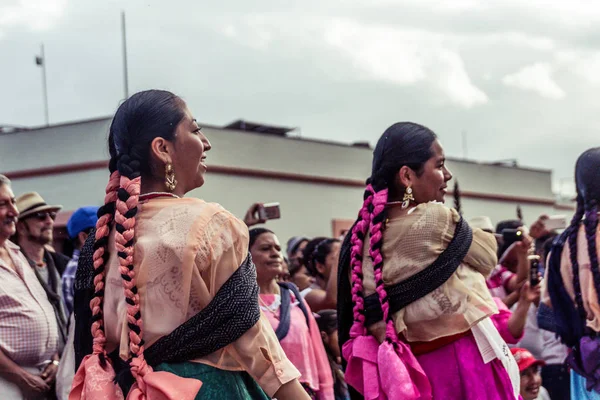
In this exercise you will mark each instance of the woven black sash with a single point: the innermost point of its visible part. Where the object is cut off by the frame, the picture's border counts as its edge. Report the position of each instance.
(426, 281)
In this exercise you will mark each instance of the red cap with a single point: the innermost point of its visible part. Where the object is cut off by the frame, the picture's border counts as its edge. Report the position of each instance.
(525, 359)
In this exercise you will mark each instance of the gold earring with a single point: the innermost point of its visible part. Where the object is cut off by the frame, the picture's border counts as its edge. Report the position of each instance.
(408, 197)
(170, 180)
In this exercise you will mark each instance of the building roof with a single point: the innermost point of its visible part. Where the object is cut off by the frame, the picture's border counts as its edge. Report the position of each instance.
(248, 126)
(277, 131)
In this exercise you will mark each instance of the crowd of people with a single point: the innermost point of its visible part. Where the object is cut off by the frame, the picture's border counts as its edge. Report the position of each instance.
(161, 296)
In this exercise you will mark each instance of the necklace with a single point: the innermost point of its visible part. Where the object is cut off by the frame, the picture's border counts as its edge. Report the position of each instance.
(153, 195)
(272, 308)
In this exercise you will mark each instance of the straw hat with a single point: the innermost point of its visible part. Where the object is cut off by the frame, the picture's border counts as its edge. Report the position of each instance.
(31, 203)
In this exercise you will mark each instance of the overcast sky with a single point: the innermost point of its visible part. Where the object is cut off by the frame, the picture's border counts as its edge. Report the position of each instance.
(521, 78)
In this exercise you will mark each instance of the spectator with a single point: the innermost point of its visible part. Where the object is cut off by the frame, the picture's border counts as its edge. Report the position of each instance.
(513, 266)
(320, 258)
(531, 380)
(34, 233)
(545, 346)
(28, 332)
(327, 321)
(290, 317)
(79, 227)
(300, 276)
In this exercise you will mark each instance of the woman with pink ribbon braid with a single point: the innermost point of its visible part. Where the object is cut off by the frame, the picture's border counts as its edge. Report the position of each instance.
(166, 299)
(413, 306)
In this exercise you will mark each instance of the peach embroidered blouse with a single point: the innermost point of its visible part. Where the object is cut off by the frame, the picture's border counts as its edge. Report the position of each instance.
(411, 243)
(185, 250)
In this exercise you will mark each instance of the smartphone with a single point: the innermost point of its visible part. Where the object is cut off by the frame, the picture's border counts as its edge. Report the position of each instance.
(534, 270)
(555, 222)
(509, 236)
(269, 211)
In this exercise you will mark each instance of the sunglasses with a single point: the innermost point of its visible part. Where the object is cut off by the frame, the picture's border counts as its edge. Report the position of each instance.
(42, 215)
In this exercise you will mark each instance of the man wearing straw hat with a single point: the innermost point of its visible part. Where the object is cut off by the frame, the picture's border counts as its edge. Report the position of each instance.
(34, 233)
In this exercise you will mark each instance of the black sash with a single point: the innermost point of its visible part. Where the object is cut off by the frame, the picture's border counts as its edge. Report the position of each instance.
(285, 309)
(230, 314)
(426, 281)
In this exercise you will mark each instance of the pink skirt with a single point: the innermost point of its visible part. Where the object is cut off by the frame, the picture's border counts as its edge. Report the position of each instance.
(456, 371)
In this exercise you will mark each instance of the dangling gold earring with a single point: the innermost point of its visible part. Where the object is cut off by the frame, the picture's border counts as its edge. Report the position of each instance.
(170, 180)
(408, 197)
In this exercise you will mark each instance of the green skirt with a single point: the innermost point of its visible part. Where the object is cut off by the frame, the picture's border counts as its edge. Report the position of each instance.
(217, 383)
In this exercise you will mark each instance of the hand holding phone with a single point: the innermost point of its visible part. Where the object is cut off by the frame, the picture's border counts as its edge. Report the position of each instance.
(269, 211)
(555, 222)
(534, 270)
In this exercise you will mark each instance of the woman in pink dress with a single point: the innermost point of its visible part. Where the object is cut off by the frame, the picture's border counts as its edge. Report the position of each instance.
(413, 304)
(291, 317)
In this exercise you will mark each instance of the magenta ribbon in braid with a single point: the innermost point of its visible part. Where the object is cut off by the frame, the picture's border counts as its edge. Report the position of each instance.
(95, 377)
(360, 230)
(408, 381)
(378, 371)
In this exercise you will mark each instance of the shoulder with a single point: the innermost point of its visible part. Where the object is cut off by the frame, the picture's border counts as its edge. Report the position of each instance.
(437, 211)
(211, 220)
(59, 258)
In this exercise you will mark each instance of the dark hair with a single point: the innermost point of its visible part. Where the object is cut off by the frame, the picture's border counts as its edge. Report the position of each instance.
(255, 233)
(327, 321)
(307, 253)
(140, 119)
(402, 144)
(507, 224)
(587, 175)
(317, 254)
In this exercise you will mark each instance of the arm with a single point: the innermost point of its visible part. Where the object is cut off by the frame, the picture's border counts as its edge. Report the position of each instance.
(502, 322)
(528, 295)
(291, 391)
(257, 351)
(324, 369)
(12, 372)
(511, 299)
(319, 299)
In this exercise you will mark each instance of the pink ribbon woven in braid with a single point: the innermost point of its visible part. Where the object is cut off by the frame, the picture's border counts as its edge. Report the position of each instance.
(149, 385)
(378, 371)
(95, 377)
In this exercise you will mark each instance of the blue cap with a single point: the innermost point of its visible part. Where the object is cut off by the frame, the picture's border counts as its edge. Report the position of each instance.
(82, 219)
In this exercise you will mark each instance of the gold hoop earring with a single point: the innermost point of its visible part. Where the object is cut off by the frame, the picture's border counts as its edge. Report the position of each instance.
(408, 197)
(170, 180)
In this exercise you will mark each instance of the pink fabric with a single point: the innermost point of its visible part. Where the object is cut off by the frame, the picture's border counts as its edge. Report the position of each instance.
(366, 358)
(457, 372)
(160, 385)
(498, 281)
(304, 348)
(500, 321)
(94, 382)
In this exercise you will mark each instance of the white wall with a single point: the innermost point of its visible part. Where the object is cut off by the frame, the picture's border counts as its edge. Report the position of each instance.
(307, 208)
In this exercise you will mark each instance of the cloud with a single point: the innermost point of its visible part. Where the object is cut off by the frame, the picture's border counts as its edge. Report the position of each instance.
(365, 52)
(405, 57)
(536, 78)
(33, 14)
(584, 64)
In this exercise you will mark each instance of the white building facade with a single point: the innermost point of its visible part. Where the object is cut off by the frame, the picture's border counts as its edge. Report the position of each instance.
(318, 184)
